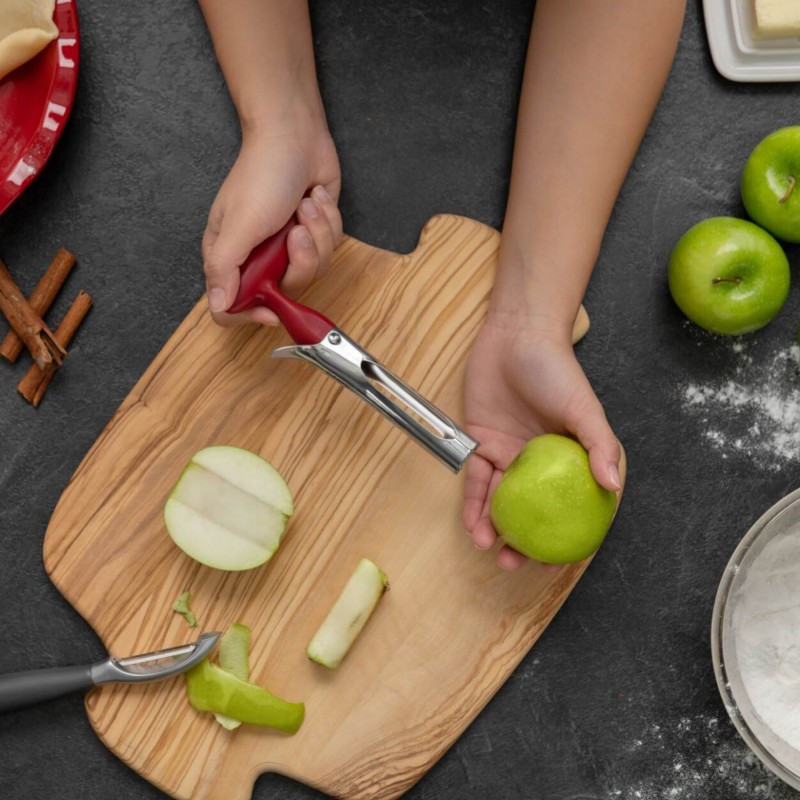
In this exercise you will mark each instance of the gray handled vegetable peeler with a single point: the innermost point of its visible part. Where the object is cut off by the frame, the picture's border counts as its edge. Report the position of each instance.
(18, 689)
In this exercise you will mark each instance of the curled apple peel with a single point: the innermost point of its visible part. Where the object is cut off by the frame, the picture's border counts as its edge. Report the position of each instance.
(234, 657)
(211, 688)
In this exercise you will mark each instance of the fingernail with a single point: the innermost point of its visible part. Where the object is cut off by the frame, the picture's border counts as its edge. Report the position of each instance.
(309, 208)
(216, 299)
(321, 193)
(303, 237)
(614, 477)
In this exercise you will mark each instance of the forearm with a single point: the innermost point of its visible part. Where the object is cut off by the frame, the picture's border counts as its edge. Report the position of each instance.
(266, 53)
(594, 73)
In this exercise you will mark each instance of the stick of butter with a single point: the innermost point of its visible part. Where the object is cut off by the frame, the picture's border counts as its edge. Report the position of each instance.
(776, 19)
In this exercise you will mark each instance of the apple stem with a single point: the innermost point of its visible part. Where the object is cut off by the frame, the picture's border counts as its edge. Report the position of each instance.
(725, 280)
(792, 182)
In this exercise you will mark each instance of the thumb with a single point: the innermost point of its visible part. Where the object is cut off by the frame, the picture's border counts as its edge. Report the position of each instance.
(225, 248)
(595, 434)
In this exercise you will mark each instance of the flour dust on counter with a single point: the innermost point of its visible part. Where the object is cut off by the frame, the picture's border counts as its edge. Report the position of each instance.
(753, 409)
(698, 757)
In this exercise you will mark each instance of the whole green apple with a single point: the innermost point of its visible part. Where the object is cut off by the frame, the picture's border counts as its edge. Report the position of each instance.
(728, 275)
(548, 505)
(769, 184)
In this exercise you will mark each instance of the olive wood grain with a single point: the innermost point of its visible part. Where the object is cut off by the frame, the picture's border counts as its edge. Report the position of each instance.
(444, 638)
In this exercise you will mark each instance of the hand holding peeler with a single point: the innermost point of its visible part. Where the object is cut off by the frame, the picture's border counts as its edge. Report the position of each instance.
(19, 689)
(319, 342)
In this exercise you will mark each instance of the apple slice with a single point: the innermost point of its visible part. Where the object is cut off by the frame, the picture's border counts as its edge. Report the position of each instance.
(229, 508)
(348, 615)
(211, 688)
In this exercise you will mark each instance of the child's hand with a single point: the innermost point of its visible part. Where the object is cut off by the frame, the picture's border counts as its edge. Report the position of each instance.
(263, 189)
(522, 383)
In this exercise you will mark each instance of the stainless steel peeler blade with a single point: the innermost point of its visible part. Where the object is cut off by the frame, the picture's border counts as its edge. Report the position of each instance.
(344, 360)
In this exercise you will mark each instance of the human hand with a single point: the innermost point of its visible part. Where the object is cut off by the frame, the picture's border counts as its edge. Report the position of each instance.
(265, 186)
(520, 383)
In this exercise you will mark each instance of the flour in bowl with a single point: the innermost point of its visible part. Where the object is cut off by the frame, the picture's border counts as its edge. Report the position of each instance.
(766, 625)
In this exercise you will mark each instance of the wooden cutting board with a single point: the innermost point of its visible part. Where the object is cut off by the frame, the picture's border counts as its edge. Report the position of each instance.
(441, 642)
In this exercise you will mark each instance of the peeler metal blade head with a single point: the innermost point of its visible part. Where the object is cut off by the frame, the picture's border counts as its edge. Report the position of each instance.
(157, 665)
(348, 363)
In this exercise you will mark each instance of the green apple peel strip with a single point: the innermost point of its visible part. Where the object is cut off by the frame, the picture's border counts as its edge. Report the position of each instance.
(234, 657)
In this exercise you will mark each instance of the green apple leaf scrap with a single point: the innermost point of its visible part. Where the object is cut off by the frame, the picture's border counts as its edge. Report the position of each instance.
(181, 606)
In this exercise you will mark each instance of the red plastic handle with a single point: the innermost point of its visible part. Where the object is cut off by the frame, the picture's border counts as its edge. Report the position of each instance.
(260, 275)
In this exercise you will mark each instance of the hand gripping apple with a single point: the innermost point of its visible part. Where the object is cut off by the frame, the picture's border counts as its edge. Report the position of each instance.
(320, 342)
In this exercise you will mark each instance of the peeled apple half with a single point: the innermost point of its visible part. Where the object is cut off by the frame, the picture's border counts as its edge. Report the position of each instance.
(229, 508)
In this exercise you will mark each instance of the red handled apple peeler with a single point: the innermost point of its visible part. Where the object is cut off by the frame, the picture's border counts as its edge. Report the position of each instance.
(320, 342)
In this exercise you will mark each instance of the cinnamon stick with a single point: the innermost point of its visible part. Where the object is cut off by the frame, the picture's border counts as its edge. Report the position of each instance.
(36, 380)
(30, 327)
(41, 299)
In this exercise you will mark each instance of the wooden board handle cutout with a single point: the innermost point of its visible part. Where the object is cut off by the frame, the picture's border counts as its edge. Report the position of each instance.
(442, 641)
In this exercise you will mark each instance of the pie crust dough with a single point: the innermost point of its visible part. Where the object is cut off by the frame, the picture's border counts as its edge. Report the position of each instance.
(26, 28)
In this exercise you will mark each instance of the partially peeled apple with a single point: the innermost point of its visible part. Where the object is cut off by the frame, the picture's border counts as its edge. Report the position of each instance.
(548, 505)
(229, 509)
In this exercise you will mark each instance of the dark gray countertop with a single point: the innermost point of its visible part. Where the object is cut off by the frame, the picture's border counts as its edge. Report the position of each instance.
(618, 698)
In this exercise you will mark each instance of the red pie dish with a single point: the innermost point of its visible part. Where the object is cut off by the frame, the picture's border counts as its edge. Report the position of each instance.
(35, 103)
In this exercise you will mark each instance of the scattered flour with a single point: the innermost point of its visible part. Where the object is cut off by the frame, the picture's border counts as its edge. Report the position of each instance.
(755, 411)
(697, 758)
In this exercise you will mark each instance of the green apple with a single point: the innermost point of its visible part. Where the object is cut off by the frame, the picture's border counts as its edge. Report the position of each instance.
(348, 615)
(548, 505)
(229, 508)
(728, 275)
(769, 184)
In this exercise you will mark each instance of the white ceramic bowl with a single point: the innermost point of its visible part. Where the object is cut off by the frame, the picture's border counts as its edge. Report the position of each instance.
(782, 520)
